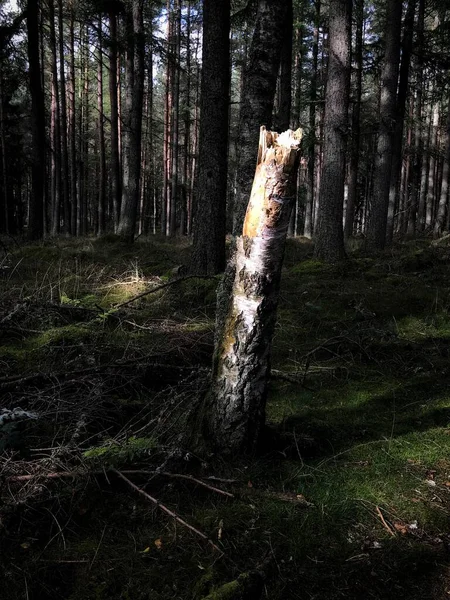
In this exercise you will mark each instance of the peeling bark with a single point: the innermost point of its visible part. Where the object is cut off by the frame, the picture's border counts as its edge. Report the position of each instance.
(246, 317)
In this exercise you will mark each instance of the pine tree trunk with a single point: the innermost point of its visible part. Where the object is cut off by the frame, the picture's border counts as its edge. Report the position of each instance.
(259, 88)
(132, 128)
(72, 127)
(101, 137)
(377, 226)
(330, 236)
(116, 179)
(356, 126)
(38, 150)
(311, 187)
(64, 149)
(211, 186)
(247, 317)
(283, 115)
(394, 189)
(443, 198)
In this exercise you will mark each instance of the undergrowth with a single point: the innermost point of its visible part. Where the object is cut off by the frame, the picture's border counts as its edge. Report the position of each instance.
(349, 496)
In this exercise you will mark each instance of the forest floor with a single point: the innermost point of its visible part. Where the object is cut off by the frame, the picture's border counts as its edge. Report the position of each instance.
(349, 496)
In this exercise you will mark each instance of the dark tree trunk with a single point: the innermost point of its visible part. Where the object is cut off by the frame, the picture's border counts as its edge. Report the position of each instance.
(101, 137)
(64, 150)
(246, 318)
(72, 128)
(283, 115)
(311, 144)
(443, 199)
(38, 150)
(329, 235)
(394, 187)
(376, 232)
(132, 129)
(356, 126)
(116, 178)
(259, 88)
(211, 187)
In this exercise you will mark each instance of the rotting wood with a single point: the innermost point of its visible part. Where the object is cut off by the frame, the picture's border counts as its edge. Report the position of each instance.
(248, 300)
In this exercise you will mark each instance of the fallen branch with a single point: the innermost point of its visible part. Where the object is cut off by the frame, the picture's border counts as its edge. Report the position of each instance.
(62, 474)
(166, 510)
(383, 520)
(163, 286)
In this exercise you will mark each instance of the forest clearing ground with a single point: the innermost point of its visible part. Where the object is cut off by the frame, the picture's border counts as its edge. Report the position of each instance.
(358, 427)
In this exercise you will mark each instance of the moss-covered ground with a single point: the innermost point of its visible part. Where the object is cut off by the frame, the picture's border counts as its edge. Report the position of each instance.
(349, 496)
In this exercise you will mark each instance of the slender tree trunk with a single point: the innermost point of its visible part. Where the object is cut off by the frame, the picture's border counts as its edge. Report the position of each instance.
(418, 129)
(309, 209)
(133, 122)
(242, 352)
(55, 127)
(377, 226)
(4, 201)
(175, 153)
(101, 137)
(394, 188)
(283, 115)
(211, 188)
(431, 189)
(443, 198)
(330, 236)
(72, 127)
(356, 126)
(259, 88)
(38, 150)
(116, 178)
(64, 150)
(167, 163)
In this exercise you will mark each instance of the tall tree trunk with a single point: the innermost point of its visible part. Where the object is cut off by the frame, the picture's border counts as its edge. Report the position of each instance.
(311, 186)
(211, 187)
(55, 128)
(443, 198)
(259, 88)
(4, 201)
(356, 125)
(175, 153)
(101, 136)
(330, 236)
(283, 115)
(245, 326)
(133, 121)
(419, 128)
(64, 150)
(432, 188)
(72, 126)
(116, 178)
(168, 121)
(377, 226)
(38, 150)
(394, 187)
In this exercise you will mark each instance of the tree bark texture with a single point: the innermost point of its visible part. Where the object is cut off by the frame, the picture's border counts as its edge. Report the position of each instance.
(394, 187)
(132, 129)
(443, 198)
(377, 226)
(329, 236)
(356, 125)
(246, 320)
(211, 187)
(36, 212)
(259, 86)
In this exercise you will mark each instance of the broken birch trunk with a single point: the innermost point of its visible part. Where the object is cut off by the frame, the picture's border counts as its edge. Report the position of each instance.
(247, 302)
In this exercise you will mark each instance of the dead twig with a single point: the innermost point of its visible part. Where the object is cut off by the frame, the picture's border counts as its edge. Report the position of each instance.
(163, 286)
(164, 508)
(73, 474)
(383, 520)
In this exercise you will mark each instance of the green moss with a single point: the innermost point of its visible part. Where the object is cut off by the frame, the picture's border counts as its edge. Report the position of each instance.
(111, 453)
